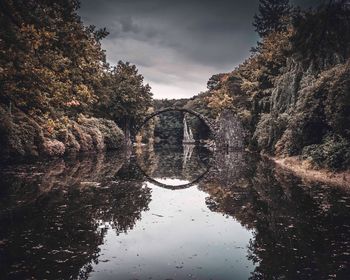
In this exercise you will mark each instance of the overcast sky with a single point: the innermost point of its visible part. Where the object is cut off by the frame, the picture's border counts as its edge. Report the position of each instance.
(177, 45)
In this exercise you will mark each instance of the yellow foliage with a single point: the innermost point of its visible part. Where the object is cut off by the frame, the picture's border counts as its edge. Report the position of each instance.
(219, 100)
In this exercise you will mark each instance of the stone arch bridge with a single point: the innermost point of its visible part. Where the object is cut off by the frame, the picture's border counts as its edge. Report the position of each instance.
(210, 123)
(227, 130)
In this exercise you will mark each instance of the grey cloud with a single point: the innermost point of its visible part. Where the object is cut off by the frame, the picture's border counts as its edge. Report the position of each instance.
(179, 44)
(191, 27)
(128, 25)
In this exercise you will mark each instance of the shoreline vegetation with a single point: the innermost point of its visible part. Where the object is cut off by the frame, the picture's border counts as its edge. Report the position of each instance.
(304, 170)
(59, 96)
(292, 94)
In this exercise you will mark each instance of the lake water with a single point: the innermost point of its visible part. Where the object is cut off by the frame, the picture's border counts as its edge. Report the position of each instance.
(170, 212)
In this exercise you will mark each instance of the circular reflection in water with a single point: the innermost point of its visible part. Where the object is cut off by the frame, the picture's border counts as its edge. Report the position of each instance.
(95, 218)
(172, 182)
(173, 167)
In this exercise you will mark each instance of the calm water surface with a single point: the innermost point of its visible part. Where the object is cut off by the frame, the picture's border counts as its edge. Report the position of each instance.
(170, 213)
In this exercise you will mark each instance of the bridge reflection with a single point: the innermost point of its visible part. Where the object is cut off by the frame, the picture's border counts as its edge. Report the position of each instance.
(187, 163)
(157, 182)
(64, 208)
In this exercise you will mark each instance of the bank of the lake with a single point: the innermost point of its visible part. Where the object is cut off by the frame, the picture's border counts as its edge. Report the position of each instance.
(24, 137)
(305, 170)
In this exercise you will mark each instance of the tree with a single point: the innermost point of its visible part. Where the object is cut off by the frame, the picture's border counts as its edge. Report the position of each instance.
(272, 16)
(214, 81)
(50, 62)
(323, 34)
(125, 99)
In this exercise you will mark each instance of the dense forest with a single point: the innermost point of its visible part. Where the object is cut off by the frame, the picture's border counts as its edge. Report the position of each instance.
(58, 94)
(293, 93)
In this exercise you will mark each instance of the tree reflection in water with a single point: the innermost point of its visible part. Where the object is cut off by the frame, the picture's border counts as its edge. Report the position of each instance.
(301, 229)
(54, 216)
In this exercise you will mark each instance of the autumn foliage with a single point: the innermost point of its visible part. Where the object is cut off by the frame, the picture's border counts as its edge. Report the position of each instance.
(292, 93)
(53, 72)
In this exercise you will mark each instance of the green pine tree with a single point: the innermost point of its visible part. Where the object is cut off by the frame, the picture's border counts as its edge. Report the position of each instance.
(272, 16)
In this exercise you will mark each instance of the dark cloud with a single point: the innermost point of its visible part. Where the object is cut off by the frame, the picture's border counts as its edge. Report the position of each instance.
(177, 45)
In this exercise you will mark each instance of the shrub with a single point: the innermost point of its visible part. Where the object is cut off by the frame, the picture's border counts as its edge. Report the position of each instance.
(333, 153)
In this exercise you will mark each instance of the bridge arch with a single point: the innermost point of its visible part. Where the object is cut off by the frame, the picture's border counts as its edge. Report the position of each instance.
(227, 130)
(210, 123)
